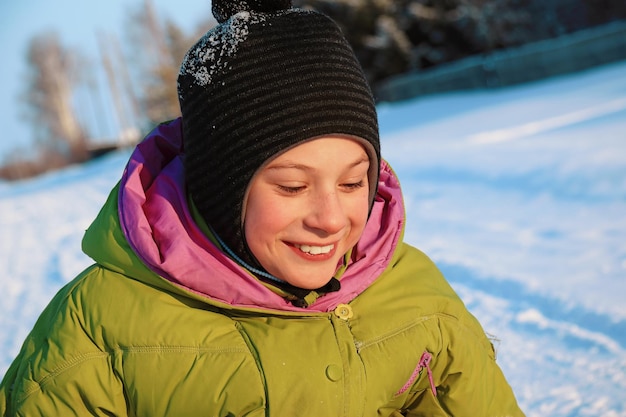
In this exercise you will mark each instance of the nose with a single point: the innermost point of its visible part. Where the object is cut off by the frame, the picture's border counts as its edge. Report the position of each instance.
(326, 213)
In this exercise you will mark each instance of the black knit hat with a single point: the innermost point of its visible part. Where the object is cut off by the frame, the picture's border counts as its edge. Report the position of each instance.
(267, 78)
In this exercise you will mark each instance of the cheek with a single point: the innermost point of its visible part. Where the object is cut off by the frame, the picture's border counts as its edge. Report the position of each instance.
(364, 205)
(357, 212)
(264, 220)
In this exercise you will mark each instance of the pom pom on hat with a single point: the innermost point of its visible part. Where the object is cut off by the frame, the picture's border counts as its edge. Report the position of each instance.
(267, 78)
(224, 9)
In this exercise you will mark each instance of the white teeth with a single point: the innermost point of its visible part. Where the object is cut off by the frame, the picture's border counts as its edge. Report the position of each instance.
(315, 250)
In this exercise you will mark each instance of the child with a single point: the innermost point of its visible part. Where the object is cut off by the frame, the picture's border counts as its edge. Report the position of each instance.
(250, 261)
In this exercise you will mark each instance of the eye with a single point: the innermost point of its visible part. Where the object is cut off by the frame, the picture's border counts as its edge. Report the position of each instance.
(290, 190)
(352, 186)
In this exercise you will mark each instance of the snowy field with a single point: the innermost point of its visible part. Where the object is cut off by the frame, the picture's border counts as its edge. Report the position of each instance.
(518, 194)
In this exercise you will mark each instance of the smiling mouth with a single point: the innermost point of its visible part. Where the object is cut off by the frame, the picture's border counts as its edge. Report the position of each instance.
(315, 250)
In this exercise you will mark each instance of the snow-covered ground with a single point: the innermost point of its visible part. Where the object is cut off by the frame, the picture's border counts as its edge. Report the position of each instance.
(518, 194)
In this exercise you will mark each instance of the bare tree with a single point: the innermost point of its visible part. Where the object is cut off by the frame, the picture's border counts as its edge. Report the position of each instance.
(52, 79)
(125, 103)
(153, 60)
(157, 47)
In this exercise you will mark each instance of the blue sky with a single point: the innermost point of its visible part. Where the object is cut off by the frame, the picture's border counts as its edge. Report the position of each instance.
(77, 22)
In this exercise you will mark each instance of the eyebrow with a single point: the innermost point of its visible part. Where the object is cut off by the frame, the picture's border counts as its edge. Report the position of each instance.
(303, 167)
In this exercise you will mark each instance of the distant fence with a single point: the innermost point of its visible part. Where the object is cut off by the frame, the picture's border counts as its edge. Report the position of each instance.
(566, 54)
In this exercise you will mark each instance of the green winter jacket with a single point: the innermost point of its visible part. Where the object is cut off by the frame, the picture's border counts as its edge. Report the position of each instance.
(164, 324)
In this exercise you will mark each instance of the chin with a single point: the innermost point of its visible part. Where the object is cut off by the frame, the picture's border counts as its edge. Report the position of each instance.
(310, 283)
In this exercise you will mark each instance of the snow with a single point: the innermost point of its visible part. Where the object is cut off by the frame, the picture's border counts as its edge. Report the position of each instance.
(210, 55)
(518, 194)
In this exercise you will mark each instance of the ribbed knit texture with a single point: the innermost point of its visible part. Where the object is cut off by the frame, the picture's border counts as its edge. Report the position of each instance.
(255, 86)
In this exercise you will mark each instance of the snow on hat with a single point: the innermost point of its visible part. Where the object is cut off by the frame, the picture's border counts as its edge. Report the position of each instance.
(267, 78)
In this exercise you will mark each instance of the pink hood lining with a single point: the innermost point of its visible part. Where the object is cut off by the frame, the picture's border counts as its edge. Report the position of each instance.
(159, 227)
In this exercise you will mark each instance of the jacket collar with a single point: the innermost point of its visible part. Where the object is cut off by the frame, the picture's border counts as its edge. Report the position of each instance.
(159, 227)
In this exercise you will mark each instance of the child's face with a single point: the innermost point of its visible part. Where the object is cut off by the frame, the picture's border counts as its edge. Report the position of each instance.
(307, 208)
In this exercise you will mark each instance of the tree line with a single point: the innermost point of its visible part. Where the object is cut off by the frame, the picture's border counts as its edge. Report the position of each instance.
(390, 37)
